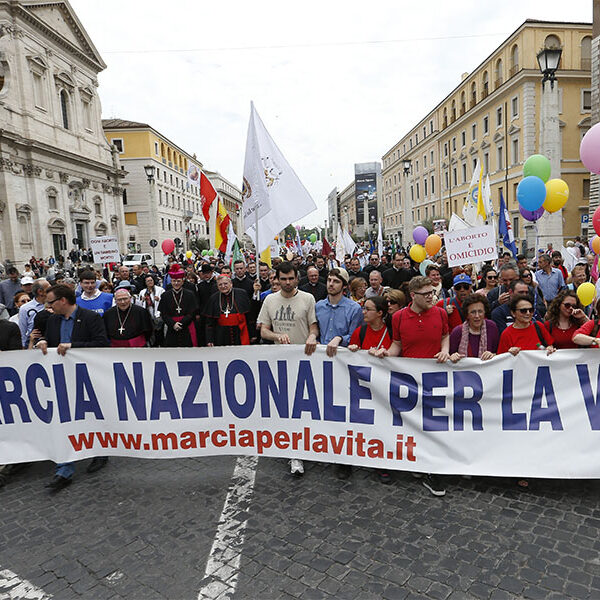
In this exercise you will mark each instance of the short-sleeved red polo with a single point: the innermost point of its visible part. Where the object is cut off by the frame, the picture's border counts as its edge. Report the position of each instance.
(420, 334)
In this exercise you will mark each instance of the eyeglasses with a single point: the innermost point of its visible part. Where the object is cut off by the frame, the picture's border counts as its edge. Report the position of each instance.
(365, 309)
(569, 305)
(51, 302)
(426, 294)
(462, 286)
(492, 276)
(525, 311)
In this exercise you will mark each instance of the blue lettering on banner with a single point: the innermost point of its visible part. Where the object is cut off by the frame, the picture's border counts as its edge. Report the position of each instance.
(83, 388)
(539, 413)
(12, 396)
(433, 422)
(331, 411)
(189, 408)
(135, 392)
(235, 368)
(358, 392)
(36, 373)
(308, 403)
(62, 398)
(400, 404)
(215, 388)
(464, 380)
(168, 404)
(511, 421)
(269, 389)
(592, 405)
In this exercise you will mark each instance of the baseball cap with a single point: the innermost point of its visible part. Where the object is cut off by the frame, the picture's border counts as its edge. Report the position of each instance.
(342, 273)
(462, 278)
(27, 279)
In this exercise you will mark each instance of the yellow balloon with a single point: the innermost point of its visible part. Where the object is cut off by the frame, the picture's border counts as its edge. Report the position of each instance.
(417, 253)
(433, 243)
(557, 194)
(596, 244)
(189, 254)
(586, 292)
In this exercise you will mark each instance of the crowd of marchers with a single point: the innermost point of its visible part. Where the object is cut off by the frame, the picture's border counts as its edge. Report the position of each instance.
(378, 302)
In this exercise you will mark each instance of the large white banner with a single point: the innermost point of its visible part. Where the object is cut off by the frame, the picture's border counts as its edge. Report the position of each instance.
(529, 416)
(466, 246)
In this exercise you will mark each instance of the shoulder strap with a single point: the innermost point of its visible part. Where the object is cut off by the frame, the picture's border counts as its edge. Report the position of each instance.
(362, 334)
(595, 328)
(543, 341)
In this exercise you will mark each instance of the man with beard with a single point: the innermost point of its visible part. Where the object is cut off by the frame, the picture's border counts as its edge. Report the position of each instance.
(177, 308)
(226, 315)
(127, 325)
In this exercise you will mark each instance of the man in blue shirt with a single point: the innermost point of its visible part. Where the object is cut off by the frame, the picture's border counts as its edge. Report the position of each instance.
(338, 317)
(29, 310)
(550, 280)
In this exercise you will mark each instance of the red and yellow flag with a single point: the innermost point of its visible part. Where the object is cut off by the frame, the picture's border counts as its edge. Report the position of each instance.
(221, 227)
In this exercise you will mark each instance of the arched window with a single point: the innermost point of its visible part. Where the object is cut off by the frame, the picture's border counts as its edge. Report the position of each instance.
(514, 60)
(453, 114)
(486, 85)
(586, 53)
(473, 94)
(162, 150)
(499, 73)
(64, 108)
(52, 196)
(463, 103)
(552, 41)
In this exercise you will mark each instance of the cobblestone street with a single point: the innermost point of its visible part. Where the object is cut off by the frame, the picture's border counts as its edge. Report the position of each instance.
(144, 529)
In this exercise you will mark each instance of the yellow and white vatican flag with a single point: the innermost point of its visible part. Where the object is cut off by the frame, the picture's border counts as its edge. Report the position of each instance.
(273, 194)
(469, 212)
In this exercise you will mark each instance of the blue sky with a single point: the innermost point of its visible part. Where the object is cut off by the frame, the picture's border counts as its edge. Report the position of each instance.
(334, 82)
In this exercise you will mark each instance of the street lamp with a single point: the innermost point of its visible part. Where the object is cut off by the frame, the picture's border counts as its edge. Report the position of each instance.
(548, 60)
(150, 172)
(406, 163)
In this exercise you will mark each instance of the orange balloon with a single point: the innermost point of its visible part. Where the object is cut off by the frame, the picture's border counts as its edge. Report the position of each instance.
(433, 243)
(596, 244)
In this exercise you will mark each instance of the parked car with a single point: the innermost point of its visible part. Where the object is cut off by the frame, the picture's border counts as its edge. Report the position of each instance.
(137, 259)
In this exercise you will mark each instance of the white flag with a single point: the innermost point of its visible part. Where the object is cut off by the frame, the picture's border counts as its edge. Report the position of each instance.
(231, 237)
(379, 240)
(276, 186)
(349, 243)
(487, 198)
(340, 249)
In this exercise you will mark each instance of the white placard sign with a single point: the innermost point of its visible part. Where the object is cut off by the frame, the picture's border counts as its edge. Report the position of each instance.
(473, 245)
(105, 249)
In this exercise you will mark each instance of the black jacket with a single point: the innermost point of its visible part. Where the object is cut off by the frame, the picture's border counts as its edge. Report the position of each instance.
(10, 336)
(88, 330)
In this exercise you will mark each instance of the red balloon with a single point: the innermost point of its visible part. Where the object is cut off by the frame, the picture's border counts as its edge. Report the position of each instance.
(168, 246)
(596, 221)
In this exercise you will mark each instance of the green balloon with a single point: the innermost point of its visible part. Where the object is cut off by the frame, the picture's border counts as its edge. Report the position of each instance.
(313, 237)
(204, 252)
(211, 253)
(537, 165)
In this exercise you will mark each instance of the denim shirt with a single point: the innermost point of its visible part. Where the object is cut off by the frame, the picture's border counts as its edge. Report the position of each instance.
(66, 327)
(338, 319)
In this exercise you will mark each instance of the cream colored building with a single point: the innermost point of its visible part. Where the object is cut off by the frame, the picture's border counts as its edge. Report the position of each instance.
(493, 116)
(59, 180)
(164, 205)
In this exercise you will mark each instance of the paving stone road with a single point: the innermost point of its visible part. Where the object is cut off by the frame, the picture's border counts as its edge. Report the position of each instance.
(144, 529)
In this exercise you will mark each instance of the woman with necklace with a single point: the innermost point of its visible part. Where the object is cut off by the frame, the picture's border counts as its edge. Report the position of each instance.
(478, 335)
(225, 315)
(564, 317)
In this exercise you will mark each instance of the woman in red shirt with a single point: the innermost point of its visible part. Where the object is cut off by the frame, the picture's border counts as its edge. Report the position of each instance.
(564, 317)
(523, 334)
(374, 333)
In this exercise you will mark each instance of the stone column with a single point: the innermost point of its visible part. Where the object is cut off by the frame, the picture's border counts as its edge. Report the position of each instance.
(551, 225)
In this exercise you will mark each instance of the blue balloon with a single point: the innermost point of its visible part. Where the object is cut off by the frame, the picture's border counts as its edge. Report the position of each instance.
(531, 193)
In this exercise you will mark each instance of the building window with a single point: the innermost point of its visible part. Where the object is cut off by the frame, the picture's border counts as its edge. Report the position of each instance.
(432, 185)
(118, 144)
(552, 41)
(586, 189)
(424, 161)
(586, 53)
(464, 172)
(474, 132)
(499, 117)
(515, 151)
(514, 107)
(473, 94)
(52, 196)
(586, 100)
(425, 187)
(416, 139)
(516, 227)
(416, 166)
(64, 108)
(169, 224)
(159, 197)
(162, 223)
(454, 177)
(156, 148)
(500, 155)
(124, 197)
(463, 139)
(486, 85)
(514, 60)
(38, 90)
(499, 73)
(98, 207)
(453, 114)
(453, 144)
(463, 103)
(431, 156)
(87, 114)
(446, 149)
(418, 195)
(486, 163)
(486, 125)
(431, 126)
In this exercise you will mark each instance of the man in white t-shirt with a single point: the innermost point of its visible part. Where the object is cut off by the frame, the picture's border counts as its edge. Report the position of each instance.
(288, 317)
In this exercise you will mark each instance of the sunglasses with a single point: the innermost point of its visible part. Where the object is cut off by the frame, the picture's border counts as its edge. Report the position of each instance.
(525, 311)
(462, 286)
(569, 305)
(492, 276)
(526, 275)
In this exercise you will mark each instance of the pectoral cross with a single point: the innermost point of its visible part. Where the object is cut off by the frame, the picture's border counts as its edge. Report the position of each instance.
(121, 330)
(178, 309)
(226, 311)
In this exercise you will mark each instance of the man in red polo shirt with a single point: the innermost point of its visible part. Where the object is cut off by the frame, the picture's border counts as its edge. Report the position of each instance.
(463, 286)
(421, 331)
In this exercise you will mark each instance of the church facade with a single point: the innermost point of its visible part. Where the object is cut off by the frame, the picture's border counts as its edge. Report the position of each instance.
(60, 181)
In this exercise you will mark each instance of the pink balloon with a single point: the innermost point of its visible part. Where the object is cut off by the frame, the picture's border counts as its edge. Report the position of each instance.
(589, 150)
(168, 246)
(596, 221)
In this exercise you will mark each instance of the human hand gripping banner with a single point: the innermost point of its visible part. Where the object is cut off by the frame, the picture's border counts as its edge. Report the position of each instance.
(532, 415)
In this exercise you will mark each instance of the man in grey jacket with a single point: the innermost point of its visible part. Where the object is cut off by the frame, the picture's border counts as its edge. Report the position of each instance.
(8, 288)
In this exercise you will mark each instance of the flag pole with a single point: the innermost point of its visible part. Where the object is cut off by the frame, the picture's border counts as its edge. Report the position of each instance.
(257, 246)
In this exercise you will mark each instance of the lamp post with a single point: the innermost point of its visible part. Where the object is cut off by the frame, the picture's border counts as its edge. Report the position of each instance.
(407, 221)
(150, 170)
(551, 226)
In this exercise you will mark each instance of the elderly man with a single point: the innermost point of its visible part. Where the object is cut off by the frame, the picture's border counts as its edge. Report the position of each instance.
(127, 324)
(226, 315)
(374, 263)
(314, 285)
(178, 308)
(30, 309)
(122, 274)
(375, 284)
(549, 278)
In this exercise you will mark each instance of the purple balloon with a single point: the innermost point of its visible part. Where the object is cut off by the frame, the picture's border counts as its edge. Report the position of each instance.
(420, 234)
(590, 244)
(530, 215)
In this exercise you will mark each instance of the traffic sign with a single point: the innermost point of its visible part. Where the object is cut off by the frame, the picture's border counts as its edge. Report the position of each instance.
(177, 241)
(153, 243)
